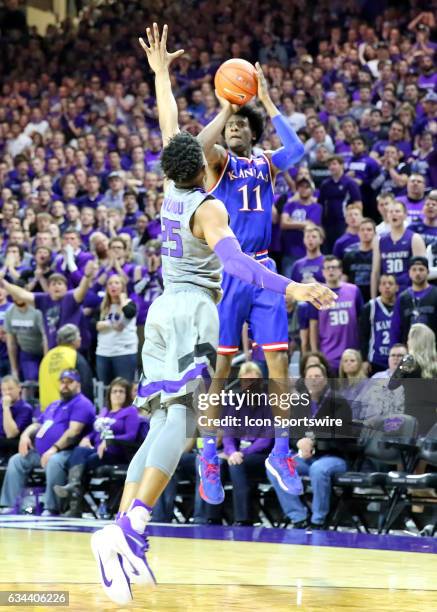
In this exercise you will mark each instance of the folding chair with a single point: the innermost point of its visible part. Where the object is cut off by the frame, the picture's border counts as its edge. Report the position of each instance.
(404, 484)
(388, 441)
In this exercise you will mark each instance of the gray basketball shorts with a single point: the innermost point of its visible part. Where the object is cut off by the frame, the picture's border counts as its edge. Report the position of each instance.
(180, 343)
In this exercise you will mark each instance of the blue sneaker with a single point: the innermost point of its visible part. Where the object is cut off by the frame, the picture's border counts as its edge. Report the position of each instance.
(210, 487)
(283, 468)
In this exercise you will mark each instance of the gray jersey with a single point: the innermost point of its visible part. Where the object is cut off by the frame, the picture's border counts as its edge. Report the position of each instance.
(27, 327)
(186, 260)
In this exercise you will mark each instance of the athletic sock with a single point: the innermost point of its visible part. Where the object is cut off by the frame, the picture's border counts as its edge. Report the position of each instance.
(139, 515)
(209, 447)
(282, 442)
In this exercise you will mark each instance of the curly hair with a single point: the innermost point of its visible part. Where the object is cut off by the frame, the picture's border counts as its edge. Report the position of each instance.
(255, 118)
(182, 159)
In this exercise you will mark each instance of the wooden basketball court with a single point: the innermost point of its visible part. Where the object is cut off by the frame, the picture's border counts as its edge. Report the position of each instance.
(223, 568)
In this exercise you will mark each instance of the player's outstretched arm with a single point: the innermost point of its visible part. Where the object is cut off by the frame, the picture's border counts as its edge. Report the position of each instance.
(211, 133)
(292, 150)
(211, 224)
(160, 60)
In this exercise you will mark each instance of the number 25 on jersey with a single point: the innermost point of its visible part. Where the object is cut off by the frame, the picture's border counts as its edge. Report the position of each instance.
(171, 234)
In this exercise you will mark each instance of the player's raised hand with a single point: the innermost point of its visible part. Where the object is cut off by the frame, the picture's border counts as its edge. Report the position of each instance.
(263, 88)
(316, 294)
(158, 56)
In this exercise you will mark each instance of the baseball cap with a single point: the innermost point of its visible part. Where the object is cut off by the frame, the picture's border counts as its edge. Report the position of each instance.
(430, 97)
(114, 174)
(418, 260)
(72, 374)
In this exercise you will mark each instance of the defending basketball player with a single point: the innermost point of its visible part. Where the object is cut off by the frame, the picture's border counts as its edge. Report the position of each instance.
(244, 182)
(181, 332)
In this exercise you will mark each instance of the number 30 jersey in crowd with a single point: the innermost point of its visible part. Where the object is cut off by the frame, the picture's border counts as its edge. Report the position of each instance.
(395, 257)
(246, 189)
(186, 260)
(338, 324)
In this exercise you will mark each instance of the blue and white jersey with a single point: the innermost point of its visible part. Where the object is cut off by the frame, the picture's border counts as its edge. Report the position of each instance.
(246, 189)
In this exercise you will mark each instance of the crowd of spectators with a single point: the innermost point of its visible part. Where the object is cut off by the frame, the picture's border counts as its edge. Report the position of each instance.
(81, 184)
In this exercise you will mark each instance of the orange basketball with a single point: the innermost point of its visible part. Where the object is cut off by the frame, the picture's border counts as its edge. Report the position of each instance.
(236, 80)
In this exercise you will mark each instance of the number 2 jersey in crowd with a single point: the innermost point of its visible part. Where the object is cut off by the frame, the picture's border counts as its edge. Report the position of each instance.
(246, 189)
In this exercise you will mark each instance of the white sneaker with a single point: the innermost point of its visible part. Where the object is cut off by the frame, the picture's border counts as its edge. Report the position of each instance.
(133, 547)
(113, 577)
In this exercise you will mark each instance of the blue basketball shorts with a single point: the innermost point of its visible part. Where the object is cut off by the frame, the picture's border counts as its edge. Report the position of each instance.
(264, 311)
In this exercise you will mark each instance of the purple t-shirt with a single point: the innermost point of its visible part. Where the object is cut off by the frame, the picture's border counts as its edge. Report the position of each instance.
(146, 291)
(57, 313)
(305, 269)
(21, 412)
(428, 82)
(123, 423)
(338, 325)
(401, 145)
(55, 420)
(73, 278)
(345, 241)
(428, 232)
(292, 240)
(414, 208)
(335, 196)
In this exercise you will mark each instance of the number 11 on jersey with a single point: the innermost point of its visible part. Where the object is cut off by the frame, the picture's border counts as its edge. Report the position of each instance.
(245, 193)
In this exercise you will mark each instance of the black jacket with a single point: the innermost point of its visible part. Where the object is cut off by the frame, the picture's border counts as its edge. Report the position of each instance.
(330, 437)
(420, 393)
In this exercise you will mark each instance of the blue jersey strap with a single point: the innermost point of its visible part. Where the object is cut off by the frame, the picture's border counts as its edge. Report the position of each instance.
(293, 148)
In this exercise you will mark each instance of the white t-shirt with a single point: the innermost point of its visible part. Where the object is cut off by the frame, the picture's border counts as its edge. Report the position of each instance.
(113, 343)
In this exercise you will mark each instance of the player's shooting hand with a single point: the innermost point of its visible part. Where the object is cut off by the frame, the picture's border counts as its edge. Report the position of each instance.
(316, 294)
(158, 56)
(226, 105)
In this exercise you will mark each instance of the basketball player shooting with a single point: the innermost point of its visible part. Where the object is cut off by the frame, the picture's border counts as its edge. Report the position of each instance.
(244, 182)
(181, 331)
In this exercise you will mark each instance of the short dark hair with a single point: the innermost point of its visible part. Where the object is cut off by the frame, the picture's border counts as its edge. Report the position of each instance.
(337, 158)
(368, 220)
(55, 277)
(15, 245)
(255, 119)
(333, 258)
(360, 138)
(182, 159)
(71, 230)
